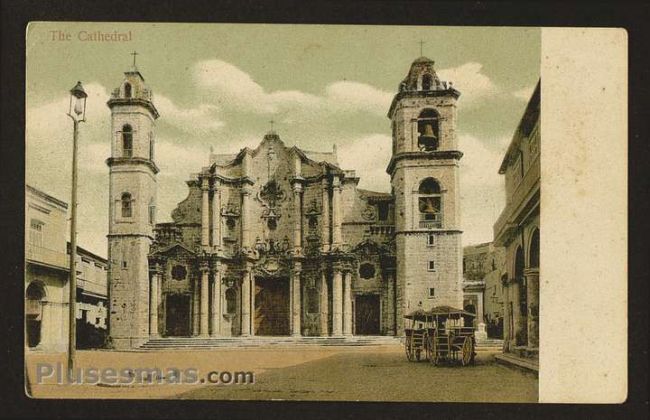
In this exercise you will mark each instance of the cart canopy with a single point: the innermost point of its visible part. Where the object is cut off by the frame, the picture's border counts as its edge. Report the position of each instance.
(439, 312)
(449, 312)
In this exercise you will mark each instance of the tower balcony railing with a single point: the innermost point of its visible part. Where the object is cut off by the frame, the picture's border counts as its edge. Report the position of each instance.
(430, 220)
(382, 230)
(430, 224)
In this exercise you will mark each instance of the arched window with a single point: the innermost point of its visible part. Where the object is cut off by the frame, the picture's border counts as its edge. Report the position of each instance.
(127, 207)
(428, 130)
(127, 90)
(127, 141)
(430, 204)
(533, 252)
(231, 301)
(426, 81)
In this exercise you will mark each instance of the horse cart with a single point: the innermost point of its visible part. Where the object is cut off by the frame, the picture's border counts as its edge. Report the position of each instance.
(440, 335)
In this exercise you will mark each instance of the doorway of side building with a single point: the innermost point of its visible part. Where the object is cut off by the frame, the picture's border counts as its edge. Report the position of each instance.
(34, 296)
(366, 315)
(177, 315)
(271, 306)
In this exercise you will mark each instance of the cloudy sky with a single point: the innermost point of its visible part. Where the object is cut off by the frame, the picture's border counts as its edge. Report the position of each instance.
(219, 86)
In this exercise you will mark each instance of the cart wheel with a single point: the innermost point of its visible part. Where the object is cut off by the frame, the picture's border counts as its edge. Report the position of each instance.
(418, 354)
(467, 351)
(408, 349)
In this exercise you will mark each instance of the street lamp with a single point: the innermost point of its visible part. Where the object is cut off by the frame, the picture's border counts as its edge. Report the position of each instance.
(76, 111)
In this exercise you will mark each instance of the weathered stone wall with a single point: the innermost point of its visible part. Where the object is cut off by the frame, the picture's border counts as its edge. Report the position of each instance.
(129, 290)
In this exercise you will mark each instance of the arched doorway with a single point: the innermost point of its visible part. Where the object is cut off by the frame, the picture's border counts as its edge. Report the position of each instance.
(34, 296)
(521, 333)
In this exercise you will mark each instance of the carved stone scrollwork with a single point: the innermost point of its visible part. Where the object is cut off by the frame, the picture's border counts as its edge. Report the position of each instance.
(230, 210)
(271, 195)
(369, 213)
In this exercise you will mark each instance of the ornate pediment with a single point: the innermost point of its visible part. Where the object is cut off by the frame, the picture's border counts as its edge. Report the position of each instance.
(370, 247)
(272, 266)
(171, 249)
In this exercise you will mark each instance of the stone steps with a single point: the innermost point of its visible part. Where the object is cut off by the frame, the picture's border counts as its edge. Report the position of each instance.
(490, 342)
(226, 342)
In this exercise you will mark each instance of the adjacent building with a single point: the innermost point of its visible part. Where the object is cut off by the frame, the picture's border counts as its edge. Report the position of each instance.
(483, 266)
(47, 271)
(518, 230)
(92, 288)
(278, 240)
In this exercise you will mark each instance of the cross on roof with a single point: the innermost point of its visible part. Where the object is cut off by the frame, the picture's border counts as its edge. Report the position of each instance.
(134, 54)
(421, 44)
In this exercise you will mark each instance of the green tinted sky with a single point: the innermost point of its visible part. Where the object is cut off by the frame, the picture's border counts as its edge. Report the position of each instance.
(494, 68)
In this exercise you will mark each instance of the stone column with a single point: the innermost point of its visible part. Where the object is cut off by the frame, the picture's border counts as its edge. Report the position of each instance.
(336, 212)
(325, 214)
(347, 303)
(205, 213)
(245, 228)
(337, 303)
(507, 317)
(414, 134)
(153, 305)
(246, 304)
(216, 215)
(195, 307)
(296, 307)
(297, 222)
(324, 304)
(390, 292)
(216, 303)
(252, 282)
(205, 308)
(481, 332)
(532, 280)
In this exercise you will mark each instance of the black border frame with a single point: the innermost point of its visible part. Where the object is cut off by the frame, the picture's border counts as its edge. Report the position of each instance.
(15, 16)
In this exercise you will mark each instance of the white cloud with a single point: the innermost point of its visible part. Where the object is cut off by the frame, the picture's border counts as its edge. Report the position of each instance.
(469, 79)
(369, 156)
(204, 118)
(232, 87)
(355, 95)
(525, 93)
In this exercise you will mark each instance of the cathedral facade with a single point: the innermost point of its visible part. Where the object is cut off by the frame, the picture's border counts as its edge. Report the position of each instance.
(280, 241)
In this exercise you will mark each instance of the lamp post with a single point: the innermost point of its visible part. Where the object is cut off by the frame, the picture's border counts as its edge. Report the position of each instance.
(76, 111)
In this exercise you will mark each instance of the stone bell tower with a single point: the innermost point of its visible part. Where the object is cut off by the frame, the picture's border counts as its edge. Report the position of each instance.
(424, 178)
(132, 207)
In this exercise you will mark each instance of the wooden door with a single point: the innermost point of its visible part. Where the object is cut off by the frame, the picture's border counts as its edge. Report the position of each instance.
(271, 306)
(177, 315)
(367, 315)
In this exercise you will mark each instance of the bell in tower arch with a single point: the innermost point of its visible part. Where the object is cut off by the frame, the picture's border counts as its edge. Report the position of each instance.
(428, 140)
(428, 130)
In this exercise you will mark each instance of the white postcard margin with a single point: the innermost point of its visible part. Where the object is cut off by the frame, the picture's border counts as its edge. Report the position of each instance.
(583, 294)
